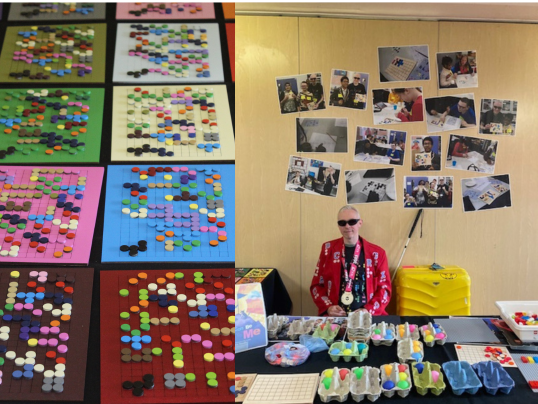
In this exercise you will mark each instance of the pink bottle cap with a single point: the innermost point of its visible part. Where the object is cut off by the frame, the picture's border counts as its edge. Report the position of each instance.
(229, 356)
(18, 306)
(62, 348)
(52, 342)
(185, 339)
(42, 342)
(63, 336)
(28, 306)
(54, 330)
(230, 301)
(44, 330)
(219, 357)
(37, 313)
(196, 338)
(210, 296)
(207, 344)
(220, 296)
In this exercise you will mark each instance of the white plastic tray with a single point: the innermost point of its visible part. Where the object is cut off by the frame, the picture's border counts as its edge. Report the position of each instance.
(526, 333)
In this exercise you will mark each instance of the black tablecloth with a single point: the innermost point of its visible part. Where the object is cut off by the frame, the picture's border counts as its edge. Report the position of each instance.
(254, 362)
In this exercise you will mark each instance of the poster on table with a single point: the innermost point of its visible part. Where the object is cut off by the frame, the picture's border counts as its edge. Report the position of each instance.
(250, 318)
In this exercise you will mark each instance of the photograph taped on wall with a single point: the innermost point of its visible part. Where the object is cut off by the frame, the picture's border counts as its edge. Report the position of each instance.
(370, 186)
(380, 146)
(451, 112)
(397, 105)
(425, 153)
(300, 93)
(498, 117)
(469, 153)
(315, 177)
(457, 69)
(485, 193)
(348, 89)
(403, 63)
(428, 192)
(321, 135)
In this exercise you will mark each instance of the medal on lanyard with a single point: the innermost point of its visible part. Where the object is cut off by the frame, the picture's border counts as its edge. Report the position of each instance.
(347, 296)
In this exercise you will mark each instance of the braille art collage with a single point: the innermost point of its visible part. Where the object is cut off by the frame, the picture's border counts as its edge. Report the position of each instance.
(117, 202)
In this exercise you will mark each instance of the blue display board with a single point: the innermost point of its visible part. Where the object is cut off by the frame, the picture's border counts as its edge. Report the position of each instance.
(174, 213)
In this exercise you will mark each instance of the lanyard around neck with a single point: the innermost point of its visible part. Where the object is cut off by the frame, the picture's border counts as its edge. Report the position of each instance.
(351, 276)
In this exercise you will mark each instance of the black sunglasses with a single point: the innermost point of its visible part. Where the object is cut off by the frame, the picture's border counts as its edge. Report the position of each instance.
(352, 222)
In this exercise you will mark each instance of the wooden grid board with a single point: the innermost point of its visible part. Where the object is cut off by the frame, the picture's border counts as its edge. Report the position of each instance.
(48, 224)
(174, 11)
(476, 353)
(230, 31)
(14, 42)
(160, 220)
(167, 68)
(76, 328)
(114, 371)
(242, 385)
(153, 114)
(55, 11)
(33, 133)
(285, 389)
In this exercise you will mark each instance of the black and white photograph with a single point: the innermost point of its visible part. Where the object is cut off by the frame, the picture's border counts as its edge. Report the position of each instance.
(428, 192)
(485, 193)
(370, 186)
(426, 153)
(397, 105)
(316, 177)
(321, 135)
(301, 93)
(348, 89)
(457, 69)
(498, 117)
(450, 112)
(469, 153)
(403, 63)
(380, 146)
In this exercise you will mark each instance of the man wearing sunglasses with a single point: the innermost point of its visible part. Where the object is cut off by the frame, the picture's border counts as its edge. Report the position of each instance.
(351, 273)
(494, 115)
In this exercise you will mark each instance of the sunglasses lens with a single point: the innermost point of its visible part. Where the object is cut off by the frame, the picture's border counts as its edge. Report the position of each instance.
(353, 222)
(342, 223)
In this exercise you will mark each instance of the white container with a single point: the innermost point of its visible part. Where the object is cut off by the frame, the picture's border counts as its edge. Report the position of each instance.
(526, 333)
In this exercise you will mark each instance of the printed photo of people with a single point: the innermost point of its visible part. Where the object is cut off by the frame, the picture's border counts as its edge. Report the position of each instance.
(457, 69)
(370, 186)
(450, 113)
(348, 89)
(425, 153)
(321, 135)
(484, 193)
(498, 117)
(403, 63)
(471, 154)
(380, 146)
(428, 192)
(311, 176)
(302, 93)
(397, 105)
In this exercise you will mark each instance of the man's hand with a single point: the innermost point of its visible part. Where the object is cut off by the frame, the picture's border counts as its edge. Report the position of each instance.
(336, 311)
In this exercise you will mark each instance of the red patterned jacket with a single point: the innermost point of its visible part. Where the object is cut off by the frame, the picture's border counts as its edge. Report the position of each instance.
(325, 287)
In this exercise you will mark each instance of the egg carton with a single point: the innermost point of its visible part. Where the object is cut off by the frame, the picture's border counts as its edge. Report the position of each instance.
(365, 382)
(494, 377)
(407, 330)
(433, 330)
(428, 377)
(410, 351)
(299, 327)
(386, 332)
(334, 385)
(359, 351)
(399, 384)
(274, 325)
(359, 326)
(461, 377)
(327, 332)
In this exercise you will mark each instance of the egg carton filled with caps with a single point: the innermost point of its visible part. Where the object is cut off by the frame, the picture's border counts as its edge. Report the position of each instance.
(395, 379)
(407, 330)
(334, 385)
(433, 334)
(461, 377)
(428, 377)
(410, 350)
(365, 382)
(348, 350)
(494, 377)
(359, 326)
(300, 327)
(327, 331)
(274, 325)
(383, 334)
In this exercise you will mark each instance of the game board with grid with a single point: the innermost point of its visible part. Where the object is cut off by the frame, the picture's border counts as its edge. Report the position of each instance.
(57, 11)
(172, 123)
(44, 325)
(161, 10)
(288, 389)
(56, 53)
(242, 385)
(51, 125)
(171, 213)
(529, 369)
(168, 52)
(479, 353)
(400, 68)
(47, 215)
(176, 326)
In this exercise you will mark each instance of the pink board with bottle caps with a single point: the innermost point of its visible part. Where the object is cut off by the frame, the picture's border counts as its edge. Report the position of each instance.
(169, 11)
